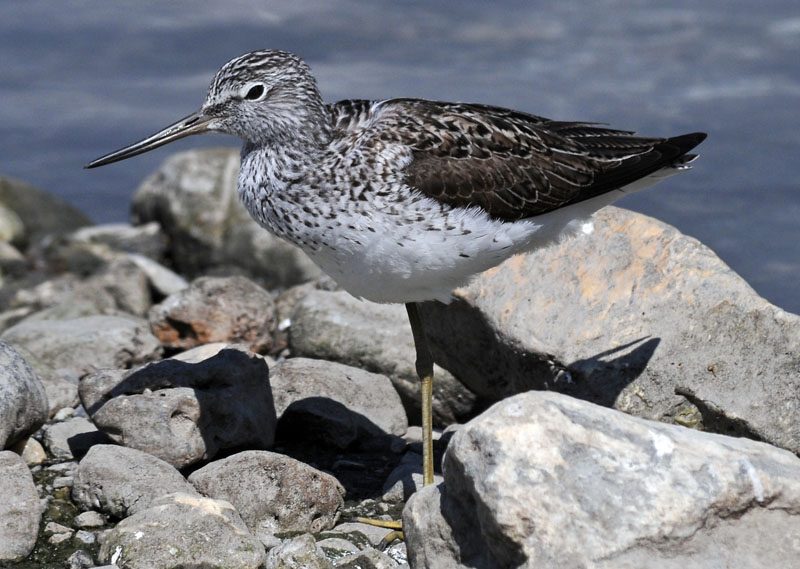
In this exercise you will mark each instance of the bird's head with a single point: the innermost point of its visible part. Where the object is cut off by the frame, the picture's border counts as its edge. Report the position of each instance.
(262, 97)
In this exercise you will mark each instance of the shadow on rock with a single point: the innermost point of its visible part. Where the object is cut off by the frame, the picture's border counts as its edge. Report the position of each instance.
(185, 412)
(508, 367)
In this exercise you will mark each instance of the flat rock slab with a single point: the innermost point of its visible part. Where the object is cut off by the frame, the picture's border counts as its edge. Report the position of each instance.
(20, 512)
(335, 402)
(376, 337)
(544, 480)
(216, 309)
(633, 315)
(120, 481)
(23, 401)
(180, 531)
(272, 492)
(82, 345)
(185, 412)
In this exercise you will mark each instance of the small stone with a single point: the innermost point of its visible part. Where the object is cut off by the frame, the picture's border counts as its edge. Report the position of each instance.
(90, 519)
(62, 482)
(65, 412)
(85, 537)
(31, 451)
(54, 528)
(57, 538)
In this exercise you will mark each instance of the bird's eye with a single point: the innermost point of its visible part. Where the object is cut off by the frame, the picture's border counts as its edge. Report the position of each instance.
(255, 92)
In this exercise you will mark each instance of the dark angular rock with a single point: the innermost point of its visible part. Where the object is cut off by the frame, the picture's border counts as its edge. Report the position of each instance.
(185, 412)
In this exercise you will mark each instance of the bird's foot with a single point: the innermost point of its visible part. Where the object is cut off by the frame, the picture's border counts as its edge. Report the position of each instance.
(395, 525)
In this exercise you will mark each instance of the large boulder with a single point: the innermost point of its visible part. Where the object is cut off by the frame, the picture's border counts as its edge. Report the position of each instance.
(544, 480)
(23, 401)
(632, 315)
(193, 197)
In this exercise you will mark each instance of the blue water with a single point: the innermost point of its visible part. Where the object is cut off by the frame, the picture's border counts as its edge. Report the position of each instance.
(82, 78)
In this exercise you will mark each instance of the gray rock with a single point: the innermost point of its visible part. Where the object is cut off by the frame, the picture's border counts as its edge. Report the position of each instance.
(376, 337)
(23, 401)
(265, 489)
(544, 480)
(31, 451)
(337, 403)
(181, 531)
(296, 553)
(62, 392)
(193, 195)
(80, 560)
(147, 240)
(26, 201)
(83, 344)
(72, 438)
(165, 281)
(121, 481)
(20, 512)
(216, 309)
(367, 559)
(643, 318)
(185, 412)
(127, 284)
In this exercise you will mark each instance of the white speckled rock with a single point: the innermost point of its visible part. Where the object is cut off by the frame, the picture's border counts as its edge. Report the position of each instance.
(542, 480)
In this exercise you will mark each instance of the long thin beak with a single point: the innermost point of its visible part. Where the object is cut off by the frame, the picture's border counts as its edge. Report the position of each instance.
(196, 123)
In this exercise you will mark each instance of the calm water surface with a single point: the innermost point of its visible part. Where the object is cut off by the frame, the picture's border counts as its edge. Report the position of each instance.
(80, 81)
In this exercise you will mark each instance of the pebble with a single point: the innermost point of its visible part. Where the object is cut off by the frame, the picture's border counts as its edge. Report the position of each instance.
(90, 519)
(85, 537)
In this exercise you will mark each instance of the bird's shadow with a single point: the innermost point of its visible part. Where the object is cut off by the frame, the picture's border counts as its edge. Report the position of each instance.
(496, 366)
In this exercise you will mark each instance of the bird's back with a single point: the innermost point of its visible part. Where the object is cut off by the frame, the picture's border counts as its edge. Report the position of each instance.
(510, 164)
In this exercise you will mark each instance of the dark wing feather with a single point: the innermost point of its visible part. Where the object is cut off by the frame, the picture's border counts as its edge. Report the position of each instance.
(515, 165)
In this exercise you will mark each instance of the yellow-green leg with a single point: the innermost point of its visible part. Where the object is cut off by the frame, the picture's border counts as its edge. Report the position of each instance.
(424, 366)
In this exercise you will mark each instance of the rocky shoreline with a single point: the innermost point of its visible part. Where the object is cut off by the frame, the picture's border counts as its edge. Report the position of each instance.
(188, 390)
